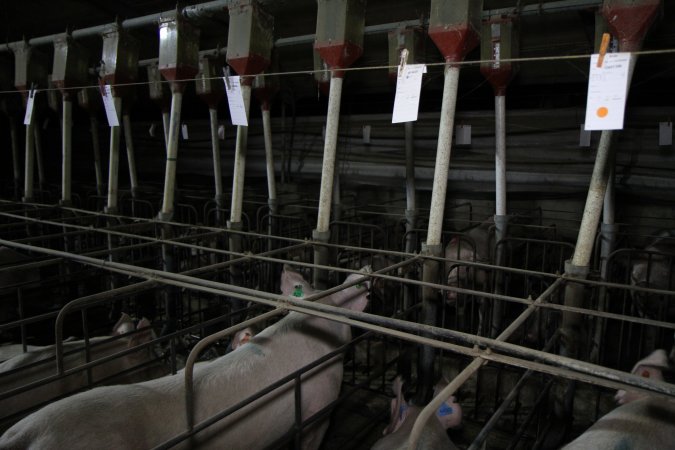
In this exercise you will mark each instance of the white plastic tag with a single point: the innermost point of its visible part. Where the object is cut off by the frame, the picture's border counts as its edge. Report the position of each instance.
(408, 87)
(28, 118)
(184, 132)
(235, 100)
(109, 105)
(607, 91)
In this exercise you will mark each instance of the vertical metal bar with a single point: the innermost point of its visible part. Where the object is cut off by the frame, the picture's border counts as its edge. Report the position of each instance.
(500, 155)
(217, 173)
(37, 135)
(96, 147)
(114, 162)
(15, 157)
(30, 163)
(269, 154)
(171, 156)
(67, 149)
(166, 122)
(131, 158)
(240, 161)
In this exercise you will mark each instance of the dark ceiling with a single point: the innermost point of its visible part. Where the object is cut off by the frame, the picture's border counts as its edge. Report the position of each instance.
(545, 30)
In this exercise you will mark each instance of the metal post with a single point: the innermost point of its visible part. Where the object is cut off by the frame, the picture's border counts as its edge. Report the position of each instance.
(410, 167)
(443, 155)
(217, 174)
(30, 162)
(97, 155)
(240, 161)
(336, 200)
(500, 155)
(269, 154)
(171, 156)
(165, 125)
(67, 148)
(114, 162)
(15, 157)
(37, 135)
(131, 158)
(322, 232)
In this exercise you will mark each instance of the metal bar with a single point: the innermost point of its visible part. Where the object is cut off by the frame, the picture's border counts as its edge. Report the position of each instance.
(131, 158)
(240, 161)
(217, 173)
(30, 163)
(42, 181)
(500, 155)
(114, 162)
(269, 155)
(96, 147)
(171, 156)
(15, 156)
(67, 150)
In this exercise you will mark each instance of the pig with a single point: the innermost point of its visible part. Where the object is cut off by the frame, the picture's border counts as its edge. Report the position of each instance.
(461, 249)
(403, 416)
(30, 399)
(646, 423)
(652, 367)
(8, 351)
(154, 411)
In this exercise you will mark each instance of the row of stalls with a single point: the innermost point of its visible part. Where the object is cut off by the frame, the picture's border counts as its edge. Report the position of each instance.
(533, 322)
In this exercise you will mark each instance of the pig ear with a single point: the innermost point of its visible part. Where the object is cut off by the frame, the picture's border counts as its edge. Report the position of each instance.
(124, 325)
(450, 413)
(241, 337)
(356, 297)
(144, 333)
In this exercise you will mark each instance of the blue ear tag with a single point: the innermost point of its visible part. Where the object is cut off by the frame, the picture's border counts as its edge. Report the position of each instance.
(401, 410)
(297, 291)
(445, 410)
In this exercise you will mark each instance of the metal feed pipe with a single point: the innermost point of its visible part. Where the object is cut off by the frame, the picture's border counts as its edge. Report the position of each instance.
(67, 146)
(30, 163)
(96, 148)
(171, 156)
(217, 172)
(131, 158)
(114, 160)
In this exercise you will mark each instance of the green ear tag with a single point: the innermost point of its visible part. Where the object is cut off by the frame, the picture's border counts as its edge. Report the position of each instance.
(359, 286)
(297, 291)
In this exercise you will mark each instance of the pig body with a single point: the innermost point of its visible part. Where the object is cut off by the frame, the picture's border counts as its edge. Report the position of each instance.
(45, 356)
(154, 410)
(461, 249)
(646, 423)
(9, 351)
(403, 417)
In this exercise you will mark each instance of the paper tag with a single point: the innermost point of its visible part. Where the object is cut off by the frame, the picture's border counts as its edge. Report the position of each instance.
(184, 131)
(28, 118)
(408, 87)
(221, 132)
(109, 105)
(152, 129)
(235, 100)
(607, 91)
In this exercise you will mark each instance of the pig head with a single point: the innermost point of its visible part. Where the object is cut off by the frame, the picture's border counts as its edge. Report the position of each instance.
(473, 248)
(650, 367)
(154, 411)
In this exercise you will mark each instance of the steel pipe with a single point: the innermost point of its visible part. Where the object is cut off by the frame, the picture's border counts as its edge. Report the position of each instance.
(443, 155)
(96, 147)
(269, 155)
(171, 157)
(217, 173)
(500, 155)
(410, 168)
(42, 181)
(114, 161)
(240, 161)
(30, 163)
(131, 158)
(15, 157)
(166, 121)
(67, 149)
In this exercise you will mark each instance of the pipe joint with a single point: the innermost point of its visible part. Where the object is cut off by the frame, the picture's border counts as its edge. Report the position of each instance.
(574, 271)
(235, 226)
(321, 236)
(165, 216)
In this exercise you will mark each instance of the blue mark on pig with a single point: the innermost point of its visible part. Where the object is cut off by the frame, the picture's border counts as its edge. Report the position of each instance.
(445, 410)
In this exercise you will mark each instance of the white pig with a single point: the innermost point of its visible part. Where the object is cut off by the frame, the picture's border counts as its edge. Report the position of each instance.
(146, 414)
(647, 423)
(461, 249)
(650, 367)
(63, 386)
(403, 416)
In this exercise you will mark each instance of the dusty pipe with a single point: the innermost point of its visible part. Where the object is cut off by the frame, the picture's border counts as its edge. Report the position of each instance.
(410, 167)
(171, 156)
(114, 161)
(405, 360)
(501, 232)
(165, 126)
(217, 173)
(336, 199)
(30, 163)
(131, 158)
(67, 149)
(15, 157)
(430, 300)
(38, 157)
(96, 147)
(240, 161)
(269, 154)
(440, 184)
(500, 155)
(322, 231)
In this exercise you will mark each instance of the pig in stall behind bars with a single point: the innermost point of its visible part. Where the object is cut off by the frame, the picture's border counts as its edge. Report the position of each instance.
(147, 414)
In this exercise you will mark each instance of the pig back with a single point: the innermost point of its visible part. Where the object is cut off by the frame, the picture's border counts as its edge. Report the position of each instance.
(648, 423)
(434, 436)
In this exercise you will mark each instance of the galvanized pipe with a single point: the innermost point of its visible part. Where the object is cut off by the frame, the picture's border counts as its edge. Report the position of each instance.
(15, 157)
(171, 156)
(96, 147)
(131, 158)
(443, 155)
(410, 168)
(114, 161)
(30, 163)
(165, 126)
(67, 149)
(217, 173)
(38, 157)
(240, 161)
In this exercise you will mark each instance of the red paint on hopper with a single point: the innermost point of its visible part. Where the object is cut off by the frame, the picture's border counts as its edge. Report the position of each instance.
(454, 43)
(339, 55)
(630, 22)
